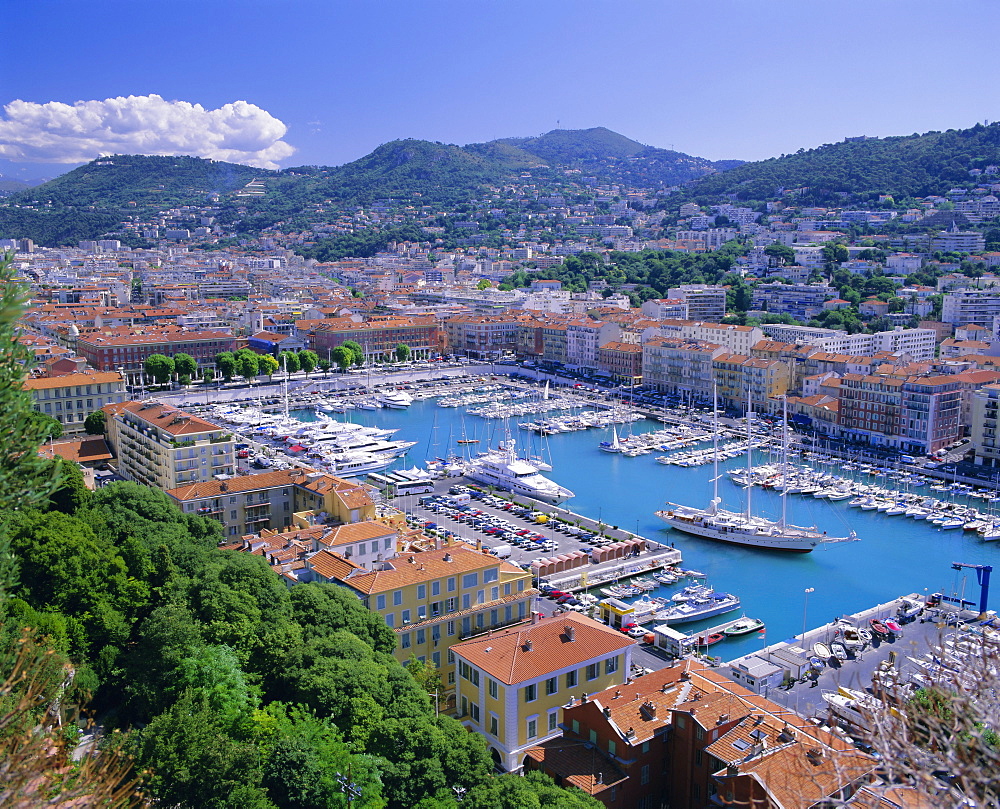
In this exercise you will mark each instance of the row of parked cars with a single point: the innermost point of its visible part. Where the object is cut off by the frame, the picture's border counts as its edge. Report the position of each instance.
(489, 524)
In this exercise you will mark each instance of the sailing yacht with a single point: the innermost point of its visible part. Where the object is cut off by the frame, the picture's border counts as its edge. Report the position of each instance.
(744, 528)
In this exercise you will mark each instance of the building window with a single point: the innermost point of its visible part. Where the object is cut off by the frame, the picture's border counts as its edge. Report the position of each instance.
(450, 605)
(470, 580)
(380, 601)
(406, 616)
(397, 598)
(593, 737)
(644, 774)
(421, 591)
(532, 728)
(435, 588)
(494, 725)
(494, 688)
(530, 693)
(576, 726)
(553, 720)
(390, 619)
(421, 637)
(406, 640)
(451, 584)
(571, 679)
(593, 671)
(611, 747)
(611, 665)
(645, 747)
(551, 685)
(451, 627)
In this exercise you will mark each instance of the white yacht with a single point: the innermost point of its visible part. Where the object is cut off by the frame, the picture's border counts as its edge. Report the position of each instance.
(396, 399)
(503, 469)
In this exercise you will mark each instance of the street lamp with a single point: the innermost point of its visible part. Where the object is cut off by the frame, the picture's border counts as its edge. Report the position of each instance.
(805, 609)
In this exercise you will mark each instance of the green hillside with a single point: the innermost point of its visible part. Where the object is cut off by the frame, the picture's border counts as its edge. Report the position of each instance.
(157, 182)
(907, 166)
(608, 156)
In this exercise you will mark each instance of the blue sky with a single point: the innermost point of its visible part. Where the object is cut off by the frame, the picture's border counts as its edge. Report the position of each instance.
(326, 82)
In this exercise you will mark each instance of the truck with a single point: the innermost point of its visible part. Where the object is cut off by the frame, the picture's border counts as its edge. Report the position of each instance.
(461, 499)
(502, 551)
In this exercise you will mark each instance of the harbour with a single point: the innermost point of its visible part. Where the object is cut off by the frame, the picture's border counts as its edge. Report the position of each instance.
(623, 493)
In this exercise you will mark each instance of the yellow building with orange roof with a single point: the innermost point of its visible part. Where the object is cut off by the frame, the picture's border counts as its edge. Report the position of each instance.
(512, 685)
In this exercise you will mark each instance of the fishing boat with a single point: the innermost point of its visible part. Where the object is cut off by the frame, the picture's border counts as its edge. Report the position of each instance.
(892, 626)
(744, 528)
(822, 651)
(744, 626)
(878, 627)
(839, 650)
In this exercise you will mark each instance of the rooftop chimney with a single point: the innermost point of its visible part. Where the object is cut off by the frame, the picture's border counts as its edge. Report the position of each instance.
(570, 632)
(527, 645)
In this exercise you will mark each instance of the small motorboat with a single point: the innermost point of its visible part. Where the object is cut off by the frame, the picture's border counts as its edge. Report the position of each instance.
(839, 650)
(744, 626)
(822, 651)
(816, 663)
(878, 627)
(708, 640)
(893, 626)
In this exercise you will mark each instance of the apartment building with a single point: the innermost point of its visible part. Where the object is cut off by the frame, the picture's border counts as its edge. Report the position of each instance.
(433, 599)
(482, 337)
(622, 361)
(70, 398)
(704, 301)
(688, 736)
(964, 307)
(267, 501)
(985, 443)
(159, 445)
(665, 309)
(801, 301)
(377, 336)
(512, 685)
(584, 336)
(125, 349)
(678, 366)
(736, 376)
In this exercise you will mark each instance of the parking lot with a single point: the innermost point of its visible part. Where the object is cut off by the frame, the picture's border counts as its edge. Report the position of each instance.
(519, 533)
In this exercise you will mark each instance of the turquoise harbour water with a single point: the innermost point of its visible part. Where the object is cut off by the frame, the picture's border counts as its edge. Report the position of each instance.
(895, 555)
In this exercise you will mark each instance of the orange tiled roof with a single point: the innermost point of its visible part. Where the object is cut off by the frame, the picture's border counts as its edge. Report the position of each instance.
(508, 657)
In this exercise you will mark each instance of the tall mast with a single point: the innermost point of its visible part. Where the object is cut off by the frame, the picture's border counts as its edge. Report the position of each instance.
(715, 447)
(784, 458)
(749, 453)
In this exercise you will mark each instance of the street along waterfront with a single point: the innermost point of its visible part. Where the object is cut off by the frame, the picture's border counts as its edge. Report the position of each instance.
(895, 555)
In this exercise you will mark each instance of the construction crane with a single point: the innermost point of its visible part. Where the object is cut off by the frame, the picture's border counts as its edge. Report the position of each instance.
(983, 577)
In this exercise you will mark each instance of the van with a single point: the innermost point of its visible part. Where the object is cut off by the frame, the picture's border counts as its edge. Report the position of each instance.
(461, 499)
(502, 551)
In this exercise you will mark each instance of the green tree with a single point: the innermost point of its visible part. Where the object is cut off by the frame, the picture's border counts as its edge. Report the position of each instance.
(159, 367)
(247, 364)
(208, 375)
(289, 361)
(51, 428)
(185, 365)
(356, 350)
(402, 352)
(268, 365)
(484, 284)
(95, 422)
(225, 361)
(780, 254)
(835, 253)
(324, 366)
(307, 360)
(26, 480)
(343, 357)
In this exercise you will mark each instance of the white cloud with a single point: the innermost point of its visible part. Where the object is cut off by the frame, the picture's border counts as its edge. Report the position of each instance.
(75, 133)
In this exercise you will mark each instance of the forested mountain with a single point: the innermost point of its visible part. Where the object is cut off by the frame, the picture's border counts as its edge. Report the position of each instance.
(606, 155)
(160, 182)
(907, 166)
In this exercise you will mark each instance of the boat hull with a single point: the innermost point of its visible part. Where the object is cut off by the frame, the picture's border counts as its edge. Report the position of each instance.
(738, 536)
